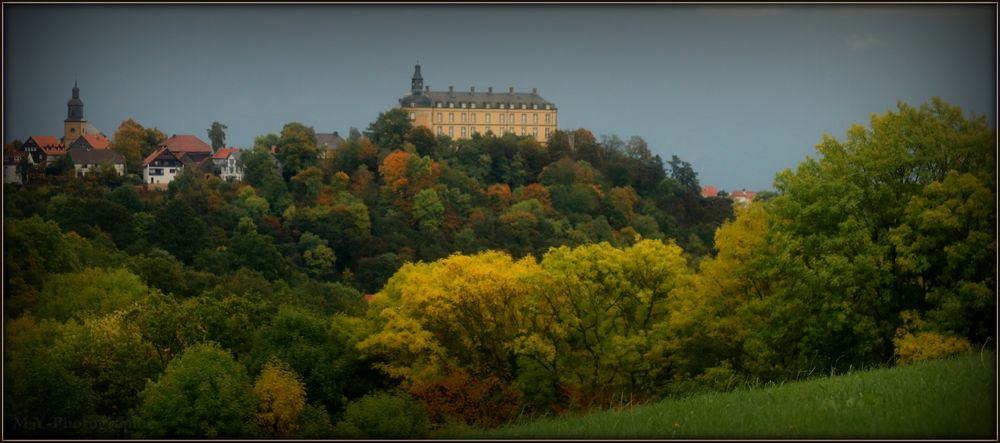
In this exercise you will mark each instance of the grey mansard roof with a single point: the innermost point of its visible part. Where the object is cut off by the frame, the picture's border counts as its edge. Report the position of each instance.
(481, 99)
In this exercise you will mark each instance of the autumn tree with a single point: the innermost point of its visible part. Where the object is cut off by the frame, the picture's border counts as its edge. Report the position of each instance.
(282, 397)
(130, 139)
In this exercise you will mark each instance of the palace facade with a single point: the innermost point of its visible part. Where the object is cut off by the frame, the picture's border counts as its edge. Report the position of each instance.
(460, 114)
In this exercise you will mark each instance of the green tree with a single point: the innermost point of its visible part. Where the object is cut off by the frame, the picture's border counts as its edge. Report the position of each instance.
(217, 134)
(203, 393)
(296, 148)
(389, 131)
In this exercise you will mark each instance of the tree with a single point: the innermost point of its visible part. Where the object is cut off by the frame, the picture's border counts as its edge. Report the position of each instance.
(297, 148)
(427, 209)
(130, 140)
(282, 398)
(389, 131)
(682, 172)
(204, 393)
(180, 230)
(217, 134)
(853, 230)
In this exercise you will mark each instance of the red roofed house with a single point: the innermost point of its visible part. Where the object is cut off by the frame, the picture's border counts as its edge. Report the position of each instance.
(160, 167)
(228, 165)
(43, 149)
(743, 197)
(91, 141)
(173, 154)
(709, 191)
(12, 166)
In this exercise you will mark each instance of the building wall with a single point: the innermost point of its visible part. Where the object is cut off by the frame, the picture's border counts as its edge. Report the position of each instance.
(164, 178)
(450, 121)
(82, 170)
(72, 130)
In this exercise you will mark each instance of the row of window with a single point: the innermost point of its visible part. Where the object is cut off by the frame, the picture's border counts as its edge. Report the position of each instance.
(472, 118)
(159, 171)
(472, 130)
(463, 105)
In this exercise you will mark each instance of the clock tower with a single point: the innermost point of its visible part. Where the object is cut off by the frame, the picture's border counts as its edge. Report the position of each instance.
(74, 124)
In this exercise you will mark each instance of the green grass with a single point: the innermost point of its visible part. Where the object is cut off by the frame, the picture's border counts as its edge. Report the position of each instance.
(951, 398)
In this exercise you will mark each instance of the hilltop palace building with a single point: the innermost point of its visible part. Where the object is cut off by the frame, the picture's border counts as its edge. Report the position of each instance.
(461, 114)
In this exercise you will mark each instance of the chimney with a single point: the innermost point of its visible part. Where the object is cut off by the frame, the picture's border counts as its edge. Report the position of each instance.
(490, 89)
(451, 89)
(428, 88)
(511, 90)
(534, 91)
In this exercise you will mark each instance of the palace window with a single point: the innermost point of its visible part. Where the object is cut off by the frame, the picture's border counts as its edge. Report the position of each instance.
(473, 129)
(511, 119)
(472, 105)
(524, 131)
(413, 116)
(473, 117)
(524, 119)
(487, 118)
(463, 131)
(440, 119)
(439, 104)
(463, 117)
(501, 105)
(524, 106)
(451, 132)
(441, 131)
(501, 119)
(463, 105)
(487, 106)
(534, 106)
(451, 117)
(548, 118)
(548, 107)
(501, 132)
(534, 132)
(451, 104)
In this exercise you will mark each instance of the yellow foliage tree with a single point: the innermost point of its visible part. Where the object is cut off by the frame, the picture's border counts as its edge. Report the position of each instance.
(282, 397)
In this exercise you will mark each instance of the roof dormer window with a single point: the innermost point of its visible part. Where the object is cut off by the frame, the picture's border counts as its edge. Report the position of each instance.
(501, 105)
(472, 105)
(547, 107)
(463, 105)
(451, 104)
(524, 106)
(439, 104)
(534, 106)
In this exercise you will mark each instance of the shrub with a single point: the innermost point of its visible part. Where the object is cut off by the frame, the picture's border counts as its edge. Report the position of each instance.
(927, 346)
(384, 415)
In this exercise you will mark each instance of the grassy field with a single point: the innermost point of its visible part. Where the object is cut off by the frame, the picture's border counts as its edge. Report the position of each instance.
(952, 398)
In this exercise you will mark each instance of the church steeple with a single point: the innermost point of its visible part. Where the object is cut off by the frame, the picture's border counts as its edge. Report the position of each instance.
(417, 84)
(75, 105)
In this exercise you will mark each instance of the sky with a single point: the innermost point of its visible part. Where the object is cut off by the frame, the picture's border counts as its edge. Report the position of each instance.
(740, 92)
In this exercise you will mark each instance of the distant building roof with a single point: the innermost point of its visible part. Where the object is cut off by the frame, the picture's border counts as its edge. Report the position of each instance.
(46, 142)
(479, 99)
(185, 143)
(709, 191)
(83, 156)
(224, 153)
(742, 196)
(328, 141)
(92, 141)
(156, 154)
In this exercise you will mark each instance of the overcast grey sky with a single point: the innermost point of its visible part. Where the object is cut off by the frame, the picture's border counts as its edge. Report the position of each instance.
(741, 92)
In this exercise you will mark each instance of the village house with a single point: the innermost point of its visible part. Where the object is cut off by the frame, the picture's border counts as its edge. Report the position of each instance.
(228, 165)
(86, 161)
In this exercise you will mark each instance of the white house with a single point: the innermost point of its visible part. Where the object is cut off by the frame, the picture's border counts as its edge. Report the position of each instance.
(161, 167)
(228, 165)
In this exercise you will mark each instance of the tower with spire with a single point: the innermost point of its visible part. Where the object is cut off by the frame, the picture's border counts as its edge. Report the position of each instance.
(74, 125)
(417, 83)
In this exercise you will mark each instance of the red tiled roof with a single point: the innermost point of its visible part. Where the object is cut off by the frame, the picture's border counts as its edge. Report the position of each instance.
(47, 142)
(224, 153)
(369, 297)
(749, 195)
(185, 143)
(709, 191)
(97, 141)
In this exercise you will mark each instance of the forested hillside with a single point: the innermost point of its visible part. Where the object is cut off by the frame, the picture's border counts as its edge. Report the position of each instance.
(509, 278)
